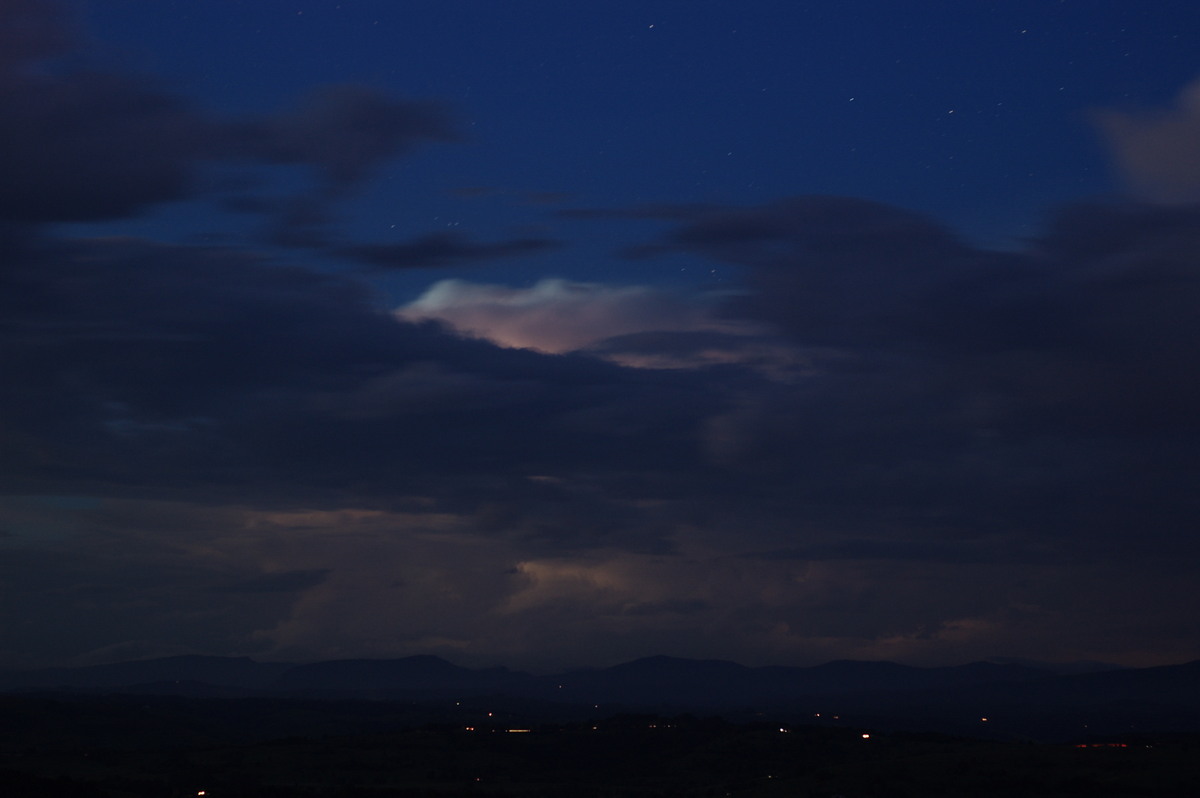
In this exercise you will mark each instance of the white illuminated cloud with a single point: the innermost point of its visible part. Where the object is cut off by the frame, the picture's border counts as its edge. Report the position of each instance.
(557, 315)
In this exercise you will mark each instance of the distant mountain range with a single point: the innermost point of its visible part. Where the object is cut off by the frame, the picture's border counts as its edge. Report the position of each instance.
(652, 681)
(1014, 698)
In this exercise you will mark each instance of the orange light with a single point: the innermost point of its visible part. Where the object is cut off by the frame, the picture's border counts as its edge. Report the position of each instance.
(866, 736)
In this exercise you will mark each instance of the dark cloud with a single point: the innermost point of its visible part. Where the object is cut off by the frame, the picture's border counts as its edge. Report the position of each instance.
(344, 131)
(1005, 423)
(967, 388)
(148, 363)
(30, 31)
(1096, 304)
(284, 582)
(679, 607)
(126, 595)
(960, 549)
(881, 441)
(830, 270)
(438, 250)
(86, 145)
(92, 146)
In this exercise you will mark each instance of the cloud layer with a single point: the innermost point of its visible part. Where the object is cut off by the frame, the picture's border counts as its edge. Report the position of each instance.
(881, 441)
(557, 315)
(975, 469)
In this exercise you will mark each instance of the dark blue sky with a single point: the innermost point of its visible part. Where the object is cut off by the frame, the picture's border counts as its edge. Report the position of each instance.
(548, 333)
(979, 114)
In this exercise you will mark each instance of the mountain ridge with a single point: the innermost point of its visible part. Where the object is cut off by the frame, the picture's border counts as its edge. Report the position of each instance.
(629, 680)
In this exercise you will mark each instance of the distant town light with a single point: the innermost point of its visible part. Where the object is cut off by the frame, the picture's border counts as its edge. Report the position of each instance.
(1104, 745)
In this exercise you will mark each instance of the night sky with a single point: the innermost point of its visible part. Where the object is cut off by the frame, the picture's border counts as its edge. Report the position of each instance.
(550, 334)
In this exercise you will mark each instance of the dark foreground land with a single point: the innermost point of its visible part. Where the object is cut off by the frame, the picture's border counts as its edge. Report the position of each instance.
(112, 746)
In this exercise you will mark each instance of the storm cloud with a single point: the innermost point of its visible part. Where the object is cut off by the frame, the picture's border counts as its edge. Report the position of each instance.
(874, 438)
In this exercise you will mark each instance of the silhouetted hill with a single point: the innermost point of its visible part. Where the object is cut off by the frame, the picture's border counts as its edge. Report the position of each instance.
(845, 676)
(659, 681)
(416, 673)
(1061, 668)
(717, 684)
(1170, 684)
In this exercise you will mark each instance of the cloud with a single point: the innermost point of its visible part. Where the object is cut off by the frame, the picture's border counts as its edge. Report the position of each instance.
(88, 145)
(877, 292)
(881, 441)
(438, 250)
(746, 346)
(1023, 419)
(1158, 154)
(183, 366)
(944, 378)
(258, 432)
(31, 31)
(558, 315)
(829, 270)
(283, 582)
(344, 131)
